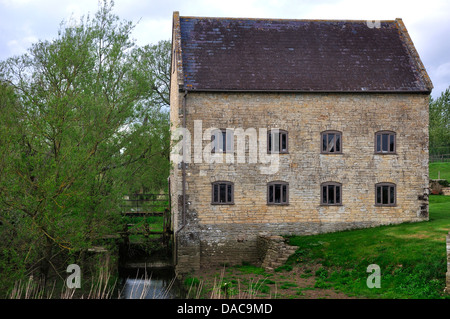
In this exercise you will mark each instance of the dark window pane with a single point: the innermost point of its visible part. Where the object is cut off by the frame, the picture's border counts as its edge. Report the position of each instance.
(270, 193)
(392, 195)
(213, 143)
(324, 142)
(378, 143)
(284, 195)
(218, 139)
(216, 193)
(224, 141)
(277, 193)
(378, 194)
(222, 193)
(284, 142)
(330, 194)
(385, 142)
(324, 195)
(270, 142)
(385, 194)
(338, 142)
(330, 143)
(391, 143)
(338, 194)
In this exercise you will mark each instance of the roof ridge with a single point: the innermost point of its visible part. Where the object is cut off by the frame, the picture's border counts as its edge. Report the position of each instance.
(286, 19)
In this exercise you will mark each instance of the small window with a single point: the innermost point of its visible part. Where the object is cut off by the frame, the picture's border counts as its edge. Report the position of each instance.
(277, 141)
(385, 142)
(385, 194)
(331, 142)
(222, 141)
(222, 193)
(331, 193)
(278, 193)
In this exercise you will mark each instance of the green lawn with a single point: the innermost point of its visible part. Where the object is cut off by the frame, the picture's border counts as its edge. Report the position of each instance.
(411, 256)
(444, 168)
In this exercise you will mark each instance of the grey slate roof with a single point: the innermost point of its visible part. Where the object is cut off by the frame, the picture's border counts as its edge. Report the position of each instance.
(230, 54)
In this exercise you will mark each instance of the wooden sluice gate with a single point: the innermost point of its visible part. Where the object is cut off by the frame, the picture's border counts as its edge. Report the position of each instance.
(146, 230)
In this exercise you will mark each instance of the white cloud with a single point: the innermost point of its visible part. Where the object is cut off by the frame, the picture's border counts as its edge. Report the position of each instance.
(18, 47)
(11, 3)
(22, 22)
(150, 31)
(443, 70)
(440, 76)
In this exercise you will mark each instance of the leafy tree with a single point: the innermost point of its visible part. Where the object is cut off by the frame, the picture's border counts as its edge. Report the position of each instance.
(83, 121)
(440, 122)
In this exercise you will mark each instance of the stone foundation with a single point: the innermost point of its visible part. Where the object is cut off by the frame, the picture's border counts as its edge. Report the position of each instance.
(207, 246)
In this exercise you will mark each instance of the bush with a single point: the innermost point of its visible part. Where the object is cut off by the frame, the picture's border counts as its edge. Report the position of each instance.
(444, 182)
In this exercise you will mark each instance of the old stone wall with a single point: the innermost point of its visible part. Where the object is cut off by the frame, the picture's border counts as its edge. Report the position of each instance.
(228, 233)
(273, 251)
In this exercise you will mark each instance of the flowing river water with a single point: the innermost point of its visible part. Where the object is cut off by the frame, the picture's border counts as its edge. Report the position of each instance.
(148, 283)
(148, 276)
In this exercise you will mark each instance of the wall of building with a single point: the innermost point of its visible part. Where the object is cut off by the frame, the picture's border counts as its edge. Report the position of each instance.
(227, 233)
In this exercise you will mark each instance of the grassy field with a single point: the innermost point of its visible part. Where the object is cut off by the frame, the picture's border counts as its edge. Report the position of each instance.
(411, 256)
(443, 168)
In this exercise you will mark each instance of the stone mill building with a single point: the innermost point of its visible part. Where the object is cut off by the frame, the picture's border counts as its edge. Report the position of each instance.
(292, 127)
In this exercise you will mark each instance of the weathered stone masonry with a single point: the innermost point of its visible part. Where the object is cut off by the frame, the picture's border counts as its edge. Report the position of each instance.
(207, 234)
(227, 233)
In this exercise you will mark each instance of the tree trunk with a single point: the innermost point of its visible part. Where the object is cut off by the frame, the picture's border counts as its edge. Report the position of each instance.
(45, 265)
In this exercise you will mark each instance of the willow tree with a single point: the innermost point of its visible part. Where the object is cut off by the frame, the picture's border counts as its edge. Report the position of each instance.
(81, 119)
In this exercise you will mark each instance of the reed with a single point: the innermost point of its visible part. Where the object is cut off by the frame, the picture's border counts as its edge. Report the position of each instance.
(222, 289)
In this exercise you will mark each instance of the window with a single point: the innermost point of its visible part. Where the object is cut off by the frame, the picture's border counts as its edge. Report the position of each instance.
(222, 193)
(331, 142)
(278, 193)
(385, 142)
(385, 194)
(331, 193)
(277, 141)
(222, 141)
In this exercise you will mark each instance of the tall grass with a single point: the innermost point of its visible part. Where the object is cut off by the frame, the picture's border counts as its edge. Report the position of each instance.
(224, 289)
(101, 288)
(141, 288)
(31, 289)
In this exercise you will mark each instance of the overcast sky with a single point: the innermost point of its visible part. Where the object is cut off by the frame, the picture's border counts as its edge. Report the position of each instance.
(23, 22)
